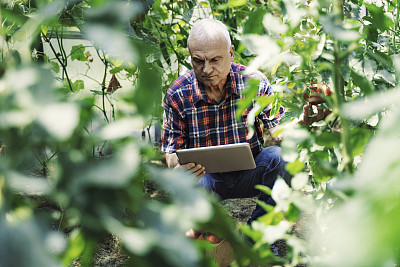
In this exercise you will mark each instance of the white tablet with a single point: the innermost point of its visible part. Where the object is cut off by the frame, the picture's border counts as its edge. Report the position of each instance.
(223, 158)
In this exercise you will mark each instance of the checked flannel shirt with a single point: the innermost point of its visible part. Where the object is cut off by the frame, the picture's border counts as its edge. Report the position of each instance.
(191, 120)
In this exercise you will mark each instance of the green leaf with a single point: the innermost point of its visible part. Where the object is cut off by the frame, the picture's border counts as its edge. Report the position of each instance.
(276, 105)
(271, 218)
(148, 92)
(363, 83)
(266, 190)
(75, 248)
(290, 85)
(254, 23)
(54, 66)
(338, 32)
(249, 94)
(377, 17)
(232, 3)
(78, 85)
(116, 70)
(328, 139)
(44, 29)
(322, 167)
(295, 167)
(204, 3)
(78, 53)
(293, 214)
(359, 138)
(236, 3)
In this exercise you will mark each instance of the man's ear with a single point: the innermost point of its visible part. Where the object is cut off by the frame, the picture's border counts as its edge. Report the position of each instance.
(232, 52)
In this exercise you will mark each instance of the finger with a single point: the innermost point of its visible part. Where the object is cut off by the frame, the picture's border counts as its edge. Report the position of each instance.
(189, 166)
(186, 166)
(319, 116)
(198, 169)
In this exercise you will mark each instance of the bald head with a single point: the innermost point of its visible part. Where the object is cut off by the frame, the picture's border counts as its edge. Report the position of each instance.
(209, 31)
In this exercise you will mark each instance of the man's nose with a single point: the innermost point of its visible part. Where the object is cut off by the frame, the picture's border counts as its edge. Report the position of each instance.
(207, 69)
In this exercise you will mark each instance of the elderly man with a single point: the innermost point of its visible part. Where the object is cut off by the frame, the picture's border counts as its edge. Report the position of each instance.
(200, 110)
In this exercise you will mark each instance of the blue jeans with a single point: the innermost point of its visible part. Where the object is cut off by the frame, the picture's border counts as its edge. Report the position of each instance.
(240, 184)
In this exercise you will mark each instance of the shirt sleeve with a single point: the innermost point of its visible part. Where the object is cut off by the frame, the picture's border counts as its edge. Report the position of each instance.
(269, 120)
(174, 129)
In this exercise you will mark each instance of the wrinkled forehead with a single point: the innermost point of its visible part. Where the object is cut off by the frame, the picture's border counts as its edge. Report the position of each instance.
(216, 43)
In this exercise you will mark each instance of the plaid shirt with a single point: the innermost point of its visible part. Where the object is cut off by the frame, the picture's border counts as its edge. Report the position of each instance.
(192, 120)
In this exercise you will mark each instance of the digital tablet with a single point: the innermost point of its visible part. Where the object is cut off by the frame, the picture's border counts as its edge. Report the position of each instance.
(223, 158)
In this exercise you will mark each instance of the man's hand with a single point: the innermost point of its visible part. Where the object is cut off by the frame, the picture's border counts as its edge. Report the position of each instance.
(313, 113)
(196, 169)
(173, 162)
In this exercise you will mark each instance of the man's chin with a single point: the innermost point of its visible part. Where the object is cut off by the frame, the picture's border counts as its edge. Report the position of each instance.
(208, 82)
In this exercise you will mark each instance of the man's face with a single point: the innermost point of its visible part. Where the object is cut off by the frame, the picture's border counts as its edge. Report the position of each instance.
(211, 61)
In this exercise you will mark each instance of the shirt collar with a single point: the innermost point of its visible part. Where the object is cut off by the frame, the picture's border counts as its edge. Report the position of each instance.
(200, 94)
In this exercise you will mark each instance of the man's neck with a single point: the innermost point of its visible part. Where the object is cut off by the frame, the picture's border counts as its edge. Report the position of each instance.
(216, 93)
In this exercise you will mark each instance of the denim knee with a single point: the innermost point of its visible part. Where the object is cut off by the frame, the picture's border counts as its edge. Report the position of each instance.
(271, 159)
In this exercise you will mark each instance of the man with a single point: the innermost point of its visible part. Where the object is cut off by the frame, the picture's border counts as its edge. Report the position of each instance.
(200, 110)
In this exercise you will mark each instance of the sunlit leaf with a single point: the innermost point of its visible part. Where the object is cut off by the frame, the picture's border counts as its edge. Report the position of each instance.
(138, 241)
(338, 32)
(271, 233)
(273, 24)
(59, 120)
(121, 128)
(365, 108)
(363, 83)
(116, 172)
(281, 193)
(299, 181)
(113, 42)
(35, 186)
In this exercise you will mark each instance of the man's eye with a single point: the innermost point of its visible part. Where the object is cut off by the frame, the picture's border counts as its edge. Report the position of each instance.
(214, 60)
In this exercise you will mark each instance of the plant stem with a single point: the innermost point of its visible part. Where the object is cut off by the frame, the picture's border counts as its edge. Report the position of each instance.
(347, 162)
(64, 67)
(103, 86)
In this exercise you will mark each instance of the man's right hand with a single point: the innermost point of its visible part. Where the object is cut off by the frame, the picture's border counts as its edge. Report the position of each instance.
(173, 162)
(197, 169)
